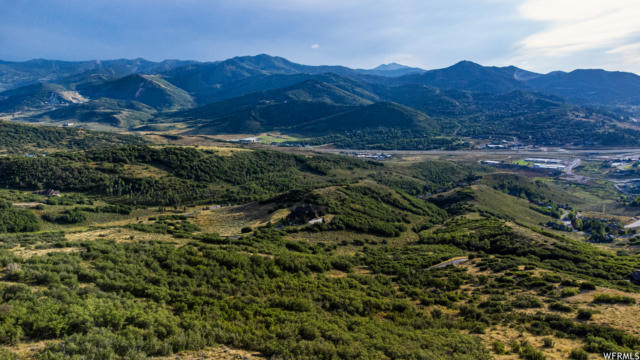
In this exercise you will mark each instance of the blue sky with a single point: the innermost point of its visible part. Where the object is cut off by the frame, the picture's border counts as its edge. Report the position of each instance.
(539, 35)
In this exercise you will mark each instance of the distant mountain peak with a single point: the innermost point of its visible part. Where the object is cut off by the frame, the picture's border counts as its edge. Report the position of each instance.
(392, 69)
(466, 64)
(391, 66)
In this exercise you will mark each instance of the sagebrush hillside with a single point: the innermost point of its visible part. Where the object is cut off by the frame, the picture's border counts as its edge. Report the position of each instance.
(156, 251)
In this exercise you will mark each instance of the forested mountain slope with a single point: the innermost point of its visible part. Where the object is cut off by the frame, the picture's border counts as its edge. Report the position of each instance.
(463, 105)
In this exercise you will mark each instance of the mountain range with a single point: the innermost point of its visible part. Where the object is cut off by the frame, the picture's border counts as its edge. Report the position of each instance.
(462, 103)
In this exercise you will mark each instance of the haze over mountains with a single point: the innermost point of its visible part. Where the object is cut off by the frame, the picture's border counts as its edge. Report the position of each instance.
(255, 94)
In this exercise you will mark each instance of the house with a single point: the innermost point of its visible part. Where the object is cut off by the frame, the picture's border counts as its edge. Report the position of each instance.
(317, 220)
(542, 160)
(248, 140)
(48, 192)
(306, 213)
(548, 166)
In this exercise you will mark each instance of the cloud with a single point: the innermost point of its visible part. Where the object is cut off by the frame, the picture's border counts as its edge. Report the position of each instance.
(315, 46)
(570, 34)
(576, 25)
(635, 47)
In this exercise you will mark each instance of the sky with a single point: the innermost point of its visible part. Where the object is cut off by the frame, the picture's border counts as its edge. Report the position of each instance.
(538, 35)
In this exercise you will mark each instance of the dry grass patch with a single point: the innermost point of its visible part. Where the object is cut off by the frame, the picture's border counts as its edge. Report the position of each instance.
(219, 353)
(335, 274)
(224, 150)
(42, 252)
(228, 221)
(118, 235)
(27, 205)
(30, 350)
(620, 316)
(362, 270)
(145, 171)
(560, 350)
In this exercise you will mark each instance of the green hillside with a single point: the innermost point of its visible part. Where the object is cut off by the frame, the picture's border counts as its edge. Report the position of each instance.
(375, 116)
(151, 90)
(308, 91)
(284, 116)
(18, 138)
(310, 107)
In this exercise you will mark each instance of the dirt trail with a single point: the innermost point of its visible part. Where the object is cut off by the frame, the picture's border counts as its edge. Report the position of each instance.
(452, 261)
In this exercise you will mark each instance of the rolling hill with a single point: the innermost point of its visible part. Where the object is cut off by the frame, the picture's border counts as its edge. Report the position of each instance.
(306, 91)
(19, 138)
(467, 75)
(310, 106)
(381, 115)
(591, 86)
(316, 119)
(39, 96)
(116, 113)
(151, 90)
(282, 108)
(313, 108)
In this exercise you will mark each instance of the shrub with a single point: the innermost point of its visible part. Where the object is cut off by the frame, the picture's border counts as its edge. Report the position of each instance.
(514, 345)
(613, 299)
(587, 286)
(526, 302)
(530, 353)
(498, 347)
(16, 220)
(70, 216)
(567, 292)
(584, 314)
(578, 354)
(558, 306)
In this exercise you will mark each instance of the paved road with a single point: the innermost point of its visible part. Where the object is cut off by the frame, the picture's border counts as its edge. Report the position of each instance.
(545, 152)
(633, 225)
(575, 163)
(456, 130)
